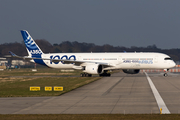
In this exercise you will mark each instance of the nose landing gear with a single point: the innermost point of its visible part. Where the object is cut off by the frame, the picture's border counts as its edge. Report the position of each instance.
(165, 74)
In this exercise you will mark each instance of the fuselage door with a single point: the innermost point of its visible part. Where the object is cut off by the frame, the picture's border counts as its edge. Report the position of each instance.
(156, 59)
(119, 60)
(79, 58)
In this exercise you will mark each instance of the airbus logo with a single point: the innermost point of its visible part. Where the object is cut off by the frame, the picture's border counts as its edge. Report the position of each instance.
(30, 41)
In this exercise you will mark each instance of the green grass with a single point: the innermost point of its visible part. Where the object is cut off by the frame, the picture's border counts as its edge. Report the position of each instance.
(19, 87)
(90, 117)
(40, 72)
(12, 86)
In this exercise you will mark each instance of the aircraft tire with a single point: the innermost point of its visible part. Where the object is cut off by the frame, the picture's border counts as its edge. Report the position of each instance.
(165, 74)
(85, 75)
(89, 75)
(105, 75)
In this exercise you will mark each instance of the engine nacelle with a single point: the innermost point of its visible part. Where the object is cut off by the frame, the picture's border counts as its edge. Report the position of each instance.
(93, 69)
(131, 71)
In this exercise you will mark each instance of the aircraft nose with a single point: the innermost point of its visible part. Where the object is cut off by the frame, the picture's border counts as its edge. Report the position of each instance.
(173, 64)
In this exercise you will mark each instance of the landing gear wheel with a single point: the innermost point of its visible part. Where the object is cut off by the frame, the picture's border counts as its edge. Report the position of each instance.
(165, 74)
(105, 75)
(85, 75)
(109, 75)
(89, 75)
(82, 74)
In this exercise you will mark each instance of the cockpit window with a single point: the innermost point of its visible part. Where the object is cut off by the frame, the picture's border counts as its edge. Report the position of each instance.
(167, 59)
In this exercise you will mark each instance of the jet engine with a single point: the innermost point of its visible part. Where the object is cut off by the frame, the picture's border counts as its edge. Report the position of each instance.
(93, 69)
(131, 71)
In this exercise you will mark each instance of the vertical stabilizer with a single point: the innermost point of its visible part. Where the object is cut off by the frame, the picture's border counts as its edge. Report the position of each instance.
(32, 48)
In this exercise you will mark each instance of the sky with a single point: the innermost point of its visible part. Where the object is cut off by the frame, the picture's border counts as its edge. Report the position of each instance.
(116, 22)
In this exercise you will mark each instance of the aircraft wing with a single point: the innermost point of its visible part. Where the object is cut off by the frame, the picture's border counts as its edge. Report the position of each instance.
(65, 61)
(77, 62)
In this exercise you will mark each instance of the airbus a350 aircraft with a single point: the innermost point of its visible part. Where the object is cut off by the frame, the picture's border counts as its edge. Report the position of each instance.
(95, 63)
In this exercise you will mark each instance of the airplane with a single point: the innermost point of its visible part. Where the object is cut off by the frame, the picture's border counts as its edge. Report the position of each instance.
(96, 63)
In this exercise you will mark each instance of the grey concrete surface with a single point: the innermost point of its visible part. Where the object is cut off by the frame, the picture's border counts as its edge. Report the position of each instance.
(120, 93)
(169, 89)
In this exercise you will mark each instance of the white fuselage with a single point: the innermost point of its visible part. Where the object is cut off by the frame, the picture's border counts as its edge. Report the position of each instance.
(95, 63)
(113, 60)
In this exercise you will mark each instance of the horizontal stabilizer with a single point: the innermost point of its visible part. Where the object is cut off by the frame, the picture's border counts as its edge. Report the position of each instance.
(16, 56)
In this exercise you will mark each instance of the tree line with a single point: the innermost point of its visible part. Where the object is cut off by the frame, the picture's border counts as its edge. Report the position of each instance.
(70, 47)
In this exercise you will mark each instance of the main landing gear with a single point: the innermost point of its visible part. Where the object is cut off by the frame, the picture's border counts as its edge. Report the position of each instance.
(105, 74)
(86, 75)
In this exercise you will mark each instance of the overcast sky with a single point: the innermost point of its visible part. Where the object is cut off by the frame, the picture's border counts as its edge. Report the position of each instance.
(116, 22)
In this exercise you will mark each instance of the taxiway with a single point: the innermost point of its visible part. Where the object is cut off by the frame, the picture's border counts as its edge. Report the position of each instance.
(118, 94)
